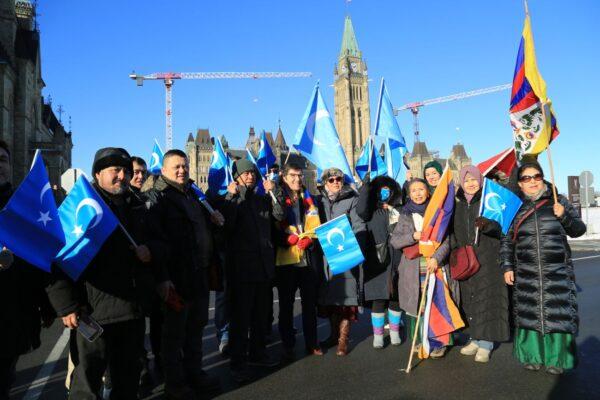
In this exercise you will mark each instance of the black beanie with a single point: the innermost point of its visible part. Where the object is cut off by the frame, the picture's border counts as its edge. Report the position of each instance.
(241, 166)
(111, 157)
(529, 162)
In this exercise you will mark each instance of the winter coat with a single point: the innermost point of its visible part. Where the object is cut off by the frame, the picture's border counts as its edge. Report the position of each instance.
(342, 289)
(484, 296)
(115, 286)
(544, 293)
(248, 224)
(380, 279)
(181, 237)
(23, 301)
(408, 270)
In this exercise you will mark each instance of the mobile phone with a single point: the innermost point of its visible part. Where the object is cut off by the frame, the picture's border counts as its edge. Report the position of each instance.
(89, 328)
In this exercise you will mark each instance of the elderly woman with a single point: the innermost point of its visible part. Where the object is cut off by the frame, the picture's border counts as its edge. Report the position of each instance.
(413, 267)
(536, 259)
(484, 296)
(339, 295)
(432, 172)
(378, 205)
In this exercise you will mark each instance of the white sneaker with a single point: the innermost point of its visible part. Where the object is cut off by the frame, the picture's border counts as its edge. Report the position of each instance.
(378, 341)
(483, 355)
(395, 338)
(470, 349)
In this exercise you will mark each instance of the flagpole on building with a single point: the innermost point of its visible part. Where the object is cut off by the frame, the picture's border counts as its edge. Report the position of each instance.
(416, 332)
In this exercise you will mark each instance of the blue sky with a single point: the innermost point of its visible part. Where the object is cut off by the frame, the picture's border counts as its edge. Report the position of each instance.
(423, 49)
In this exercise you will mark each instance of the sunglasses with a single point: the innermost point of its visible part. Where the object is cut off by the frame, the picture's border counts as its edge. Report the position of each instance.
(334, 179)
(527, 178)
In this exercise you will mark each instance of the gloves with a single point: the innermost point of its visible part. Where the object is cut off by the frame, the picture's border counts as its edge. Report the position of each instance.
(481, 222)
(292, 239)
(304, 243)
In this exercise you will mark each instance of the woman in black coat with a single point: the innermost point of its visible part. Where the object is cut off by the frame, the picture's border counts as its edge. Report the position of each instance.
(378, 205)
(484, 296)
(536, 259)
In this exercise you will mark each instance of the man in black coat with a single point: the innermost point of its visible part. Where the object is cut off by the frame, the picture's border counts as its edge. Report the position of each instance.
(23, 301)
(251, 265)
(181, 227)
(113, 291)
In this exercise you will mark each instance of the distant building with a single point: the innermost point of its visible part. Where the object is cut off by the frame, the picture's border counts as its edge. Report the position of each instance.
(199, 151)
(420, 156)
(27, 122)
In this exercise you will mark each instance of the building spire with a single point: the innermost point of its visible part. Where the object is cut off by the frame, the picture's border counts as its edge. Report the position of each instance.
(349, 43)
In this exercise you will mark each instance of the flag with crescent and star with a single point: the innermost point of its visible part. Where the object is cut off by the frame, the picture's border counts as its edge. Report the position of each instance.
(318, 140)
(87, 222)
(499, 204)
(369, 154)
(339, 245)
(219, 172)
(265, 157)
(29, 224)
(156, 159)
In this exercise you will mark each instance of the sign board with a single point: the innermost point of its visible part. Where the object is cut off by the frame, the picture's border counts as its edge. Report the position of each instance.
(69, 177)
(575, 192)
(586, 179)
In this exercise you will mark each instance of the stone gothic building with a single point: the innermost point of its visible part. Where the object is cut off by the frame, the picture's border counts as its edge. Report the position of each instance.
(27, 122)
(199, 151)
(420, 156)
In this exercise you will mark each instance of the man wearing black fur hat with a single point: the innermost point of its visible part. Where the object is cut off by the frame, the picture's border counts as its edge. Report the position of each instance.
(251, 265)
(112, 291)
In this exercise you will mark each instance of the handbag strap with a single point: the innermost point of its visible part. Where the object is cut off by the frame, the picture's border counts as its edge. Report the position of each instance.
(525, 216)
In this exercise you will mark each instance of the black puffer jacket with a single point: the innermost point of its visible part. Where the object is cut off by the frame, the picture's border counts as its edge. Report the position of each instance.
(484, 296)
(380, 278)
(544, 289)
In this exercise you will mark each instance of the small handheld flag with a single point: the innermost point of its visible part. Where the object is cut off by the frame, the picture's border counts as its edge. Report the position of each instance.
(367, 155)
(219, 172)
(29, 224)
(499, 204)
(87, 222)
(156, 159)
(339, 245)
(265, 157)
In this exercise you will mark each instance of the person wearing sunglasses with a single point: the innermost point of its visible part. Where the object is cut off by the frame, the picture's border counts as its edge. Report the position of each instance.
(339, 294)
(536, 260)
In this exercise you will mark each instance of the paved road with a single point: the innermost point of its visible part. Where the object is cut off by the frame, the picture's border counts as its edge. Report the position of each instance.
(373, 374)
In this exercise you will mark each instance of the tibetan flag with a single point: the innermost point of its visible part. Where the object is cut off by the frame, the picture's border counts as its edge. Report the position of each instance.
(369, 154)
(503, 162)
(531, 115)
(441, 317)
(437, 215)
(156, 159)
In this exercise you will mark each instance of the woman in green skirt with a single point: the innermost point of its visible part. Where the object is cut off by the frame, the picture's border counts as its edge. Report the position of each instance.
(536, 259)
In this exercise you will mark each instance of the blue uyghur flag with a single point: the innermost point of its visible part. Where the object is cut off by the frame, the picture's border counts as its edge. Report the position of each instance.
(219, 172)
(317, 139)
(387, 128)
(87, 222)
(156, 159)
(339, 245)
(265, 158)
(198, 192)
(378, 166)
(29, 224)
(250, 157)
(499, 204)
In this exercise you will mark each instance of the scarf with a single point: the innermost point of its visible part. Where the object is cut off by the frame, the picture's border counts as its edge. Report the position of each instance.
(413, 208)
(292, 254)
(535, 197)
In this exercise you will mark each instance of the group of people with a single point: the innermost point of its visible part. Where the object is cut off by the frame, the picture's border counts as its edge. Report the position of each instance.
(259, 236)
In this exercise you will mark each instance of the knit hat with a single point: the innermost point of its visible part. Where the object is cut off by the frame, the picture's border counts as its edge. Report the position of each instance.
(434, 164)
(111, 157)
(329, 172)
(240, 166)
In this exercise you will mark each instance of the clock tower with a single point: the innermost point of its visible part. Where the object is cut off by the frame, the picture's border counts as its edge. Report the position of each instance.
(351, 98)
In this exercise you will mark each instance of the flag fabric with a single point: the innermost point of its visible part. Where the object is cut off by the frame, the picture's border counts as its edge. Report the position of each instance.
(219, 172)
(499, 204)
(369, 154)
(198, 192)
(318, 140)
(156, 159)
(437, 215)
(531, 114)
(87, 222)
(265, 157)
(387, 128)
(441, 316)
(250, 157)
(29, 223)
(339, 245)
(503, 162)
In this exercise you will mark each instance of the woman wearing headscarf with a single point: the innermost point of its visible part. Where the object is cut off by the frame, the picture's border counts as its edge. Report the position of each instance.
(432, 172)
(339, 295)
(413, 267)
(379, 205)
(484, 296)
(536, 259)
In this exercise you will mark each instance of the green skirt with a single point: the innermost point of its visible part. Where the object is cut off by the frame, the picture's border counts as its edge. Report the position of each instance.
(552, 350)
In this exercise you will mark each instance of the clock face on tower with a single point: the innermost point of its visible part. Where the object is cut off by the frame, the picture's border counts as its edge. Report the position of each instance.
(354, 67)
(344, 69)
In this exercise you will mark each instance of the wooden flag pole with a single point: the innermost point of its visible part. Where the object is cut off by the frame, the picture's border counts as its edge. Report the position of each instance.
(552, 174)
(414, 339)
(548, 127)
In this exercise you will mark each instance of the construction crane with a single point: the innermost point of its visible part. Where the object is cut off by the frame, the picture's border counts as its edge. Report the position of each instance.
(414, 107)
(168, 79)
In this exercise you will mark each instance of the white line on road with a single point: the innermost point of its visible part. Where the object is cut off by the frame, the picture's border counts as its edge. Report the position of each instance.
(37, 386)
(585, 258)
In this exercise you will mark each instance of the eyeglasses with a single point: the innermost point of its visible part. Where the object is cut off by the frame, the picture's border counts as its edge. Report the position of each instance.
(335, 179)
(527, 178)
